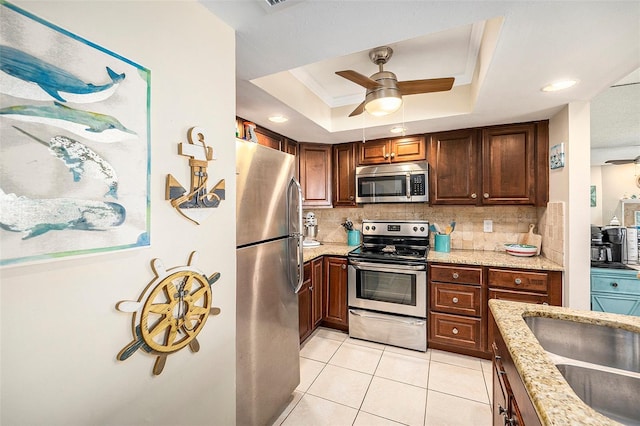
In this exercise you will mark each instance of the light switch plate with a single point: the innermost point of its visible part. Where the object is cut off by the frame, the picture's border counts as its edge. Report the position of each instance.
(488, 225)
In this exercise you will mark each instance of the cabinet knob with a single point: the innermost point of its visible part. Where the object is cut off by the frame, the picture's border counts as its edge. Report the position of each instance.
(501, 410)
(393, 154)
(311, 288)
(474, 195)
(351, 197)
(455, 300)
(614, 284)
(455, 330)
(456, 275)
(486, 195)
(344, 266)
(518, 281)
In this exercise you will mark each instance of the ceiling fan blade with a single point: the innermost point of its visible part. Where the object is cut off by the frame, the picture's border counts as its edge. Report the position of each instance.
(619, 162)
(358, 78)
(414, 87)
(359, 110)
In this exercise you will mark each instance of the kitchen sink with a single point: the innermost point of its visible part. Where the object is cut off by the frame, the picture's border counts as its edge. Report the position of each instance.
(592, 343)
(611, 394)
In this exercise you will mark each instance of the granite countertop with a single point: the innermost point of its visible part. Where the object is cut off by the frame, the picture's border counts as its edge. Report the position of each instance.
(465, 257)
(493, 258)
(553, 398)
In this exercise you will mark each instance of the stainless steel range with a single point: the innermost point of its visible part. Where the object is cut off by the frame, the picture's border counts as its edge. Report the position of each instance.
(387, 284)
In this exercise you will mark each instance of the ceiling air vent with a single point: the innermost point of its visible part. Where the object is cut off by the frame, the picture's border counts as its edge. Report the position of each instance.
(274, 2)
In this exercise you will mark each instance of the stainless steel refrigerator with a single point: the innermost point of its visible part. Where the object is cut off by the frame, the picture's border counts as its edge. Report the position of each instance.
(269, 274)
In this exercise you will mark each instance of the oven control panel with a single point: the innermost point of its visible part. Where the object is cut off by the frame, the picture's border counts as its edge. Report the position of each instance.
(409, 228)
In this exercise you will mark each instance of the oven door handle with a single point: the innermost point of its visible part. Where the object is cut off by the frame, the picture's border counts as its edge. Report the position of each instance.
(395, 319)
(385, 267)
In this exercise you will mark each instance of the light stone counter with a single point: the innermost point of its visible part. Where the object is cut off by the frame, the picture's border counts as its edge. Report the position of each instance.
(493, 258)
(331, 249)
(553, 398)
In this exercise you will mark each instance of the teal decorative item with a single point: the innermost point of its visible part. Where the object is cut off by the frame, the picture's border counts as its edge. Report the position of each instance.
(353, 238)
(443, 243)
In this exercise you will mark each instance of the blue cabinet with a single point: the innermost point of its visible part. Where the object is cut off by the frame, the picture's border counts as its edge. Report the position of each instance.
(615, 291)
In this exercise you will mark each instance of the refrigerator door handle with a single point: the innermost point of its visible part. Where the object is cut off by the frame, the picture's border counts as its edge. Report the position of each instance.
(299, 235)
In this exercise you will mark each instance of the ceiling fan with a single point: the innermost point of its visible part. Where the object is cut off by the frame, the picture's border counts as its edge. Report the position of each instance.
(384, 91)
(627, 161)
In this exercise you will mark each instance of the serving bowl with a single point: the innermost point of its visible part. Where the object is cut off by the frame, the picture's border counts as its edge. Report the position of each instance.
(524, 250)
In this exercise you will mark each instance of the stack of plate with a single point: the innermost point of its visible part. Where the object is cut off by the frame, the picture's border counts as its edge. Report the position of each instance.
(521, 249)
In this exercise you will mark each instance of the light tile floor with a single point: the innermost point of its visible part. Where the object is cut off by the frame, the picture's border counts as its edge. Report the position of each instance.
(346, 381)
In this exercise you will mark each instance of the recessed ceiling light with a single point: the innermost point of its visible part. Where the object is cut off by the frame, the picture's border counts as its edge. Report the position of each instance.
(559, 85)
(278, 118)
(397, 129)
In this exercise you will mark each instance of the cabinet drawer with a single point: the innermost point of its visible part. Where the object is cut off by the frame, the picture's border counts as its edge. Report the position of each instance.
(463, 332)
(456, 299)
(456, 274)
(519, 280)
(615, 285)
(518, 296)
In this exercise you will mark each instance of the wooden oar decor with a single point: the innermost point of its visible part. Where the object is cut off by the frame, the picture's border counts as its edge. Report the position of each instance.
(196, 204)
(171, 311)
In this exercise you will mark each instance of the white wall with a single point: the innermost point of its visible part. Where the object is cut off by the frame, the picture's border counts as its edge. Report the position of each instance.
(596, 180)
(571, 185)
(60, 329)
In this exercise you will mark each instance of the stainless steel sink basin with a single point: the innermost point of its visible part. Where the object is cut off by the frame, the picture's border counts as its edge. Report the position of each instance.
(597, 344)
(613, 395)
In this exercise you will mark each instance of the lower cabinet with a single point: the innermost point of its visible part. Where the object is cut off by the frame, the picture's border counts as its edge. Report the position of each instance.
(322, 299)
(511, 403)
(310, 298)
(334, 300)
(615, 291)
(459, 318)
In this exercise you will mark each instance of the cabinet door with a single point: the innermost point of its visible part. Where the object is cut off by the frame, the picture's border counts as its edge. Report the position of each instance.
(267, 139)
(315, 174)
(407, 149)
(290, 147)
(375, 152)
(316, 292)
(344, 174)
(453, 158)
(508, 165)
(304, 304)
(335, 293)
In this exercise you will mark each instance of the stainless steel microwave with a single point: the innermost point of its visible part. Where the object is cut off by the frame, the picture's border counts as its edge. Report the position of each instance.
(393, 183)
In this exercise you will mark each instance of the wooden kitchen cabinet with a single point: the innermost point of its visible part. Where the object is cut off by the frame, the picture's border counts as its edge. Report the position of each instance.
(267, 138)
(498, 165)
(344, 174)
(315, 174)
(511, 402)
(310, 298)
(384, 151)
(456, 309)
(334, 300)
(523, 285)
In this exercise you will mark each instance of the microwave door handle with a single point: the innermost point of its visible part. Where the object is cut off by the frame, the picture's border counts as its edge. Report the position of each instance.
(408, 185)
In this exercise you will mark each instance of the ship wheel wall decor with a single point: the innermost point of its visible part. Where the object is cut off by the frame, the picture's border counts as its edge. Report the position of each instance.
(171, 312)
(197, 203)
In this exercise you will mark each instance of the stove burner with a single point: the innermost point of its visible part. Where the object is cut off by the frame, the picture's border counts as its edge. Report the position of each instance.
(389, 249)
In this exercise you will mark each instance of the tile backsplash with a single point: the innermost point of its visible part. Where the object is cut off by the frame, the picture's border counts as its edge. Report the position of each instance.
(508, 223)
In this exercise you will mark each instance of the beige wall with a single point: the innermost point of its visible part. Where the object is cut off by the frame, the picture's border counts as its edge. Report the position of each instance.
(60, 329)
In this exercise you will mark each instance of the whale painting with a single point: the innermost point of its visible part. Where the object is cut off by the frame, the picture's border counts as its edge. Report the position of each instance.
(91, 125)
(74, 144)
(25, 76)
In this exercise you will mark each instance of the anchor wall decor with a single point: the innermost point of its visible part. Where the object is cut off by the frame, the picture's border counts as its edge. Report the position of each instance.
(197, 203)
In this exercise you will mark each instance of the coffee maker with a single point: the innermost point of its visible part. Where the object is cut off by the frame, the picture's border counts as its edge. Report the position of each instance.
(608, 246)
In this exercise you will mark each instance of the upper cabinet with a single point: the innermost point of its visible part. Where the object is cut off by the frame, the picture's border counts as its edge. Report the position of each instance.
(383, 151)
(344, 174)
(491, 166)
(454, 163)
(267, 138)
(315, 174)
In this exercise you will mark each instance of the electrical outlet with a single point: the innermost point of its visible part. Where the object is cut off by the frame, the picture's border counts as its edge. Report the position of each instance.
(488, 225)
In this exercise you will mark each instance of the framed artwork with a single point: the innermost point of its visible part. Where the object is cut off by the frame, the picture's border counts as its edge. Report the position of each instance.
(556, 156)
(593, 195)
(74, 144)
